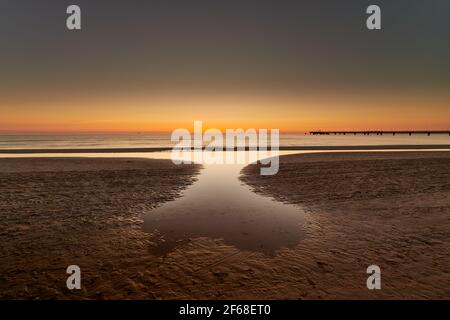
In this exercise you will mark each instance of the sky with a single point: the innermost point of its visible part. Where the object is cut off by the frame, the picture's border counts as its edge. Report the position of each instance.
(139, 66)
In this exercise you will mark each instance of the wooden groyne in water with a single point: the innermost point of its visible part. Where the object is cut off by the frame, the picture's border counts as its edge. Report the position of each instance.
(380, 132)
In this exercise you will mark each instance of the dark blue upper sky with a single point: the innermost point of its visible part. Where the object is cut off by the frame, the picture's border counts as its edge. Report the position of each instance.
(227, 43)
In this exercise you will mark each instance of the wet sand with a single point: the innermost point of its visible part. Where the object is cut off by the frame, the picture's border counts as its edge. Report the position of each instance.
(388, 209)
(88, 212)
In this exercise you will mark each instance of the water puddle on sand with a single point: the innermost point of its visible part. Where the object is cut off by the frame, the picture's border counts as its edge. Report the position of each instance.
(219, 206)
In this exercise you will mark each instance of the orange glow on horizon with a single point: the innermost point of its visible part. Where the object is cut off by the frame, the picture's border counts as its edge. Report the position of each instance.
(166, 113)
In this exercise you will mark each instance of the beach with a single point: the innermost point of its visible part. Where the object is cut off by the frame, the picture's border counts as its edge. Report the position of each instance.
(55, 212)
(377, 208)
(391, 209)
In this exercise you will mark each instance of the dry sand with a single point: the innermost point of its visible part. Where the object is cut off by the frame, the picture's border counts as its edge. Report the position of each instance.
(388, 209)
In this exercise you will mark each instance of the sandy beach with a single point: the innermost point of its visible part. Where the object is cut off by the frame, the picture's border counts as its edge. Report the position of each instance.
(391, 209)
(388, 209)
(57, 212)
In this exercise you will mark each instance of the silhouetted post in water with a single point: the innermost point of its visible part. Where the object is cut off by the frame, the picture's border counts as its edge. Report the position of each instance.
(380, 133)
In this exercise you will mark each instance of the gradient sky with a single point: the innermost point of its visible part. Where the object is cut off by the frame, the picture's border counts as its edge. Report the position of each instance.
(160, 65)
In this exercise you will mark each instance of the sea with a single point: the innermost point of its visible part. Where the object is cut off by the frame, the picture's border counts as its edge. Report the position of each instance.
(163, 140)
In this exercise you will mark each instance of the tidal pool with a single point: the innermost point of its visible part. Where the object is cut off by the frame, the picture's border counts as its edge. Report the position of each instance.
(219, 206)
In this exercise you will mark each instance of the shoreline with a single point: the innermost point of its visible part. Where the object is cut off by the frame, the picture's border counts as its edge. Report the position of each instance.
(281, 148)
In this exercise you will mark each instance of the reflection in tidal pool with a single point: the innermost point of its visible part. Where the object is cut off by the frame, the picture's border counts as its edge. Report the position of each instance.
(220, 206)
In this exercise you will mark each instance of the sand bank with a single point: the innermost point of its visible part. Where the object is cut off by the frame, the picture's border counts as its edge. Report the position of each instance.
(88, 212)
(286, 148)
(388, 209)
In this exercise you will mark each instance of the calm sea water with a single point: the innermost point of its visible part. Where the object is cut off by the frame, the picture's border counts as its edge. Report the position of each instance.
(74, 141)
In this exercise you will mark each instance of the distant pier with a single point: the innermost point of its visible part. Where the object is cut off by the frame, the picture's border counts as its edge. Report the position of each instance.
(380, 132)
